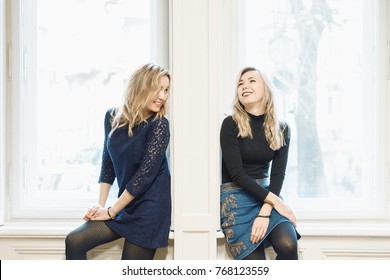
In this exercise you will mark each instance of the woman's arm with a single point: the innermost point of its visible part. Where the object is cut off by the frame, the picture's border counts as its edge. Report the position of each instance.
(149, 167)
(232, 160)
(279, 164)
(281, 207)
(107, 171)
(103, 195)
(261, 222)
(157, 143)
(102, 213)
(121, 203)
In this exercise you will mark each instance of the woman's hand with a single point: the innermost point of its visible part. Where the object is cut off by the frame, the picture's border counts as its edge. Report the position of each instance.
(91, 212)
(281, 207)
(102, 214)
(259, 228)
(285, 211)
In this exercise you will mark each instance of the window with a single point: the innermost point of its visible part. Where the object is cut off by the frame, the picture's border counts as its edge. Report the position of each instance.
(73, 59)
(325, 59)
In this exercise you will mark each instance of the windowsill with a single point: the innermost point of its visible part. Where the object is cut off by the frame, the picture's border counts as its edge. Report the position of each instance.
(36, 230)
(339, 228)
(306, 229)
(40, 229)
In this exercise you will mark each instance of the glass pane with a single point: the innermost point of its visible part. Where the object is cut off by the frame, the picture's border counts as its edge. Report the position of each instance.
(86, 50)
(313, 52)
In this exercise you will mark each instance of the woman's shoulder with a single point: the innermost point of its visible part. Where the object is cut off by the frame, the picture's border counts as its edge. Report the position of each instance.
(109, 116)
(229, 128)
(160, 120)
(228, 122)
(285, 128)
(283, 124)
(158, 123)
(157, 128)
(111, 112)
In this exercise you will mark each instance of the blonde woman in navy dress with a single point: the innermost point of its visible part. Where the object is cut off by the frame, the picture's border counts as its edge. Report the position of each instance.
(253, 216)
(134, 153)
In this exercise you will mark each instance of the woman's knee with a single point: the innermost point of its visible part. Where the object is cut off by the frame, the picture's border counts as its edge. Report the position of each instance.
(284, 241)
(288, 247)
(71, 240)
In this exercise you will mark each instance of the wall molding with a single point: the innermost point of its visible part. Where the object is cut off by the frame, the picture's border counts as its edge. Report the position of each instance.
(354, 254)
(37, 252)
(43, 241)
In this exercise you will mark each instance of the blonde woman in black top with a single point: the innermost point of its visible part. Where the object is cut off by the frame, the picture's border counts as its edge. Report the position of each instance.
(253, 216)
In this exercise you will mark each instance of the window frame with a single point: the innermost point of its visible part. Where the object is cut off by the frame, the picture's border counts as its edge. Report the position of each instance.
(377, 206)
(19, 206)
(2, 111)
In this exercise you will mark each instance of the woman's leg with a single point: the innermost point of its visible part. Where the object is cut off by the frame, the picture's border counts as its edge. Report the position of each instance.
(135, 252)
(257, 254)
(284, 241)
(86, 237)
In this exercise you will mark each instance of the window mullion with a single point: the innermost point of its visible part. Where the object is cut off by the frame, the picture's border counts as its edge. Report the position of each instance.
(3, 173)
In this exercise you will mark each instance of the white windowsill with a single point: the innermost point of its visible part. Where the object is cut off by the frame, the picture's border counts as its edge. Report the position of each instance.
(61, 229)
(40, 229)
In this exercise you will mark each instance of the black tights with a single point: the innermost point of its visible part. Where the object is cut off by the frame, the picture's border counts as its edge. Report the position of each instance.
(92, 234)
(284, 241)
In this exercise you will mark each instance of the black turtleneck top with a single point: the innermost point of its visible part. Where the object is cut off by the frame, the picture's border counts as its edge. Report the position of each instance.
(245, 159)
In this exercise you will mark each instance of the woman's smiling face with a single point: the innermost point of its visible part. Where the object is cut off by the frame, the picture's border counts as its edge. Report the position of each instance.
(250, 89)
(154, 105)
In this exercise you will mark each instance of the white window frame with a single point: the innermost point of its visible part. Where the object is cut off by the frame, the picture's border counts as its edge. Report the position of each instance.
(2, 111)
(376, 205)
(20, 206)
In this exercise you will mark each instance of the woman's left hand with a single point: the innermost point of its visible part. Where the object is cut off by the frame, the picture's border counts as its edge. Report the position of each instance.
(91, 212)
(259, 228)
(101, 214)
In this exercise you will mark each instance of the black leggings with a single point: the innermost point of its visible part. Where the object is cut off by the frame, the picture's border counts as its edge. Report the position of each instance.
(92, 234)
(284, 241)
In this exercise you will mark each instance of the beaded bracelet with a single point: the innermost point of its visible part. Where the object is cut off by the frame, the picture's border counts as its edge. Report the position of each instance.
(108, 212)
(264, 216)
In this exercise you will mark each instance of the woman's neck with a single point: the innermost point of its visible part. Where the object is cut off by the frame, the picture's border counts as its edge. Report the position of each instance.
(255, 110)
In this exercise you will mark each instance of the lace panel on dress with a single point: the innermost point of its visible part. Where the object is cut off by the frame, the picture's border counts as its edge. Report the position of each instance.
(156, 146)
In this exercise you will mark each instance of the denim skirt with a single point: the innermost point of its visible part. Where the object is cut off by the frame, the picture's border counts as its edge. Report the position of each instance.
(238, 211)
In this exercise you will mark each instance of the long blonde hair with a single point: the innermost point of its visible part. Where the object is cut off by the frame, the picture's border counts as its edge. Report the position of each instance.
(273, 130)
(141, 88)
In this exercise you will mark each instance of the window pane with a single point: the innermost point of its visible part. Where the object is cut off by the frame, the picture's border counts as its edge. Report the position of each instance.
(317, 55)
(85, 52)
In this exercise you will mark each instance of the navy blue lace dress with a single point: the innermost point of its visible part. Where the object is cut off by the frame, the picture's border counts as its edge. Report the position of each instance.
(140, 165)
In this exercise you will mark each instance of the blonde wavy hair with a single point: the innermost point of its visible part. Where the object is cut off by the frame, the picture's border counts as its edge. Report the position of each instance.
(142, 87)
(273, 129)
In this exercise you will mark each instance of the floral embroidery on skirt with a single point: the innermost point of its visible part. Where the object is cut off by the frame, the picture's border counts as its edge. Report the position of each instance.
(238, 211)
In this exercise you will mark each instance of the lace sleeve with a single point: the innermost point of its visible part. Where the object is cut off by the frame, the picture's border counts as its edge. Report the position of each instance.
(156, 146)
(107, 172)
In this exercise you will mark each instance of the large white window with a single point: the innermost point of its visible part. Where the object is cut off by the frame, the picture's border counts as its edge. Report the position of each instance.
(327, 62)
(70, 62)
